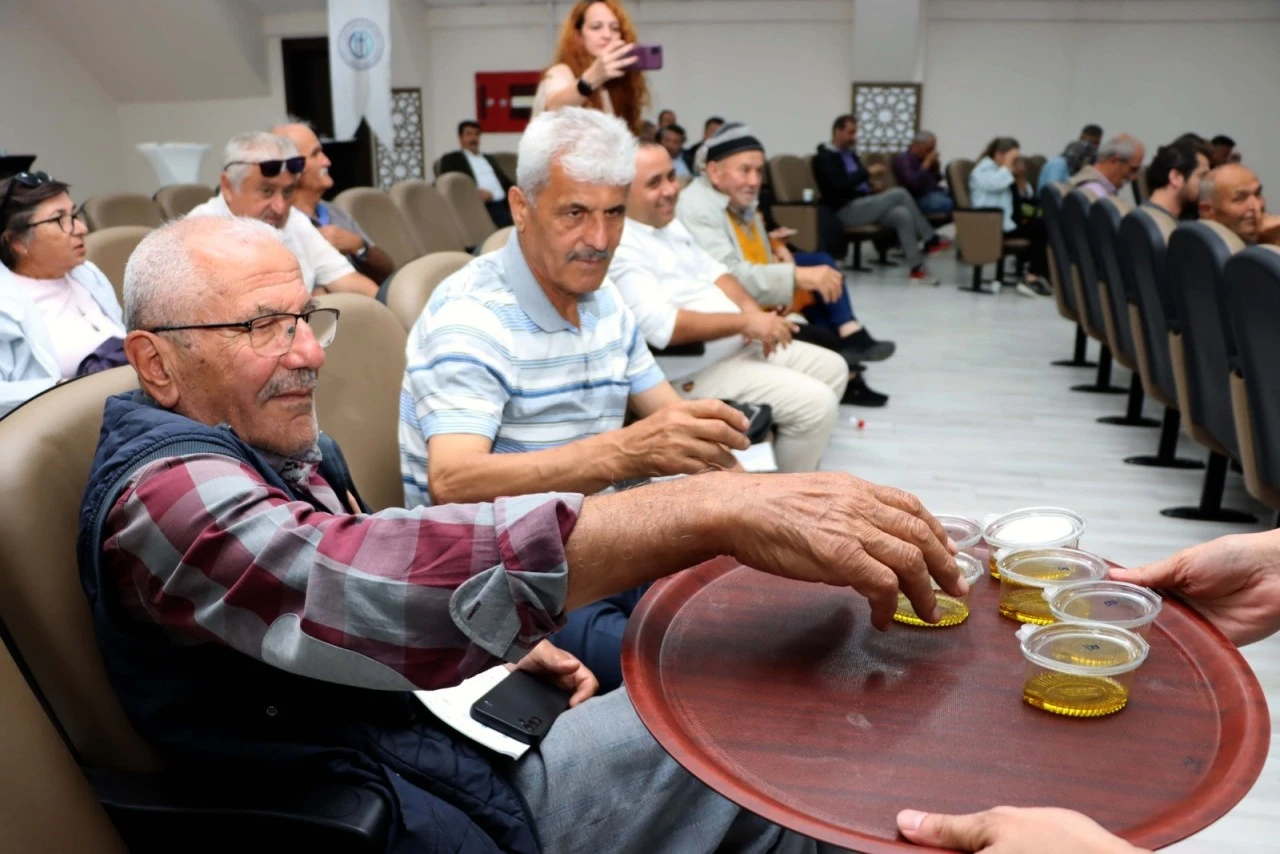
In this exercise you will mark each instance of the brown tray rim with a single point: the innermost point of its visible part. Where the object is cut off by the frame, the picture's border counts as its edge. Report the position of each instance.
(1230, 778)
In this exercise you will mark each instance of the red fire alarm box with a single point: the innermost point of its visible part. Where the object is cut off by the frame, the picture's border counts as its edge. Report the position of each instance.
(504, 99)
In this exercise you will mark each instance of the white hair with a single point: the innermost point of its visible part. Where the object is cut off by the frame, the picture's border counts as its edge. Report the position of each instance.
(250, 148)
(1122, 147)
(162, 274)
(590, 146)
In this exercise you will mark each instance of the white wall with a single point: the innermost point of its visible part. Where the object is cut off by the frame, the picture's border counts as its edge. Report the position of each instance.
(1041, 70)
(53, 107)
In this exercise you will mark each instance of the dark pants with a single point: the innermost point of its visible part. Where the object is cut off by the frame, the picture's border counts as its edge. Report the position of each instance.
(827, 315)
(594, 635)
(500, 213)
(1037, 260)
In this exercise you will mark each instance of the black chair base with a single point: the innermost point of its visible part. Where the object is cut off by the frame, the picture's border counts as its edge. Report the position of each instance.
(1199, 514)
(1166, 456)
(1094, 388)
(1126, 421)
(1158, 462)
(1133, 412)
(975, 283)
(1078, 358)
(1102, 385)
(1210, 508)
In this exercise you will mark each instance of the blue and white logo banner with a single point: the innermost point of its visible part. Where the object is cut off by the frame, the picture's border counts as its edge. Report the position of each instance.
(360, 67)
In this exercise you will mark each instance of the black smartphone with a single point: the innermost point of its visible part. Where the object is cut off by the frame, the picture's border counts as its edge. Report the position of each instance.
(521, 706)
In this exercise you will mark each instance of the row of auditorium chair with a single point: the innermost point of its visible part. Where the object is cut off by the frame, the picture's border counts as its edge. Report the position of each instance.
(1192, 313)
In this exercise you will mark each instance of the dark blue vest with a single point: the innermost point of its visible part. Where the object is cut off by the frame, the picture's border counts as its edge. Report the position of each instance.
(204, 704)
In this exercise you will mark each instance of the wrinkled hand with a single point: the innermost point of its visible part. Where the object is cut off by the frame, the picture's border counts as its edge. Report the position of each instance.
(346, 242)
(930, 159)
(610, 65)
(688, 437)
(551, 664)
(840, 530)
(825, 281)
(769, 329)
(1006, 830)
(1234, 581)
(1269, 228)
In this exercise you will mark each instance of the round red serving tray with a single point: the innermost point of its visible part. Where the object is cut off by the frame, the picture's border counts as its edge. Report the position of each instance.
(782, 697)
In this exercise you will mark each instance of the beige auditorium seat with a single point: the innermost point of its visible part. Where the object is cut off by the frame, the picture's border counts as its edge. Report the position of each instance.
(177, 200)
(791, 177)
(508, 161)
(413, 283)
(110, 249)
(122, 209)
(980, 236)
(358, 398)
(429, 216)
(382, 220)
(468, 208)
(46, 804)
(497, 240)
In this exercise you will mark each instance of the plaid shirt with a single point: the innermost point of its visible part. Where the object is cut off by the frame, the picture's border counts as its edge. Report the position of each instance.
(400, 599)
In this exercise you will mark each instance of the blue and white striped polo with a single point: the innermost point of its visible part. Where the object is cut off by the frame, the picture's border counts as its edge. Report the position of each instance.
(490, 356)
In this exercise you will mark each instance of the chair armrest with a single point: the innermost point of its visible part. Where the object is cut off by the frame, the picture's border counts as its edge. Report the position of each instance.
(156, 809)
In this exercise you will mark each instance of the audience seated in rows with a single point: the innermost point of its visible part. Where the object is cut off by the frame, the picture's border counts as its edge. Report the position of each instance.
(1224, 151)
(383, 603)
(336, 225)
(919, 172)
(521, 370)
(672, 138)
(59, 317)
(1119, 161)
(992, 185)
(490, 180)
(846, 188)
(721, 210)
(1058, 170)
(709, 129)
(1231, 196)
(260, 172)
(1173, 179)
(679, 294)
(593, 66)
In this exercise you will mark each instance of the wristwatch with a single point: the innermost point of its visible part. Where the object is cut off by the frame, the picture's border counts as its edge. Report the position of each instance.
(585, 89)
(363, 253)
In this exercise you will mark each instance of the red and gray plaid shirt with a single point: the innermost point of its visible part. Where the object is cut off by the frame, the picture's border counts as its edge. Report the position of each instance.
(400, 599)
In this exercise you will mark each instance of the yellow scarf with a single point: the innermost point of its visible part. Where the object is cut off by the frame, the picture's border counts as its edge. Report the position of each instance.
(755, 249)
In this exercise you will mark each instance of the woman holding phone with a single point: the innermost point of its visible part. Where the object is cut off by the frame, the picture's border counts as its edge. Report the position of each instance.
(593, 64)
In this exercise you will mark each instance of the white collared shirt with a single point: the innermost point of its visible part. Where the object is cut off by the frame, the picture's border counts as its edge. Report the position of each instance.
(486, 178)
(661, 271)
(321, 264)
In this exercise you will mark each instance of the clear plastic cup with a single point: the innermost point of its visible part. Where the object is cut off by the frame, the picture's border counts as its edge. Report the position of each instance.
(1032, 527)
(966, 532)
(1025, 575)
(1081, 670)
(1112, 603)
(953, 610)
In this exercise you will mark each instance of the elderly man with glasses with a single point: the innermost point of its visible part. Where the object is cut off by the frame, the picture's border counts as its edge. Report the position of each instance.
(59, 317)
(259, 176)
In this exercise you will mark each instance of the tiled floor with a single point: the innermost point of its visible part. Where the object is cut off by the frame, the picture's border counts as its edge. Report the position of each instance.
(980, 422)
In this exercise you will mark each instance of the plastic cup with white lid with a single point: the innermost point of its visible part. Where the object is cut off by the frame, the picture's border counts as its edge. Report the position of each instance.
(1032, 527)
(1026, 574)
(963, 531)
(1081, 670)
(1112, 603)
(952, 610)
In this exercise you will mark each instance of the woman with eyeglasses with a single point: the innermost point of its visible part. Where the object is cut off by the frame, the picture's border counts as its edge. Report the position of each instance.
(59, 317)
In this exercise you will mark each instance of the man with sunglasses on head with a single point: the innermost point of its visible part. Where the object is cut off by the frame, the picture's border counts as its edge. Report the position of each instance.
(260, 174)
(59, 317)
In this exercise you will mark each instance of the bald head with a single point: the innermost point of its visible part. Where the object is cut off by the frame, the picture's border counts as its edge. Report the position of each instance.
(314, 180)
(1232, 196)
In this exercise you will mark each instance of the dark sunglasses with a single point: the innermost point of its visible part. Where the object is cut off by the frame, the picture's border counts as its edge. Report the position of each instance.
(271, 168)
(26, 179)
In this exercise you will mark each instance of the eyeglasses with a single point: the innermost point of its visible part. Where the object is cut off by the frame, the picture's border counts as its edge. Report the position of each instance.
(271, 335)
(65, 220)
(271, 168)
(26, 179)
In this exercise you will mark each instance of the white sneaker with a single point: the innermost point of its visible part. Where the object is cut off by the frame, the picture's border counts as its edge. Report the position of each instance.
(1026, 290)
(989, 287)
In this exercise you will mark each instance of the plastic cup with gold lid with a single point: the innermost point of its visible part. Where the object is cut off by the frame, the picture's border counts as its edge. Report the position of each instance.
(1112, 603)
(1032, 527)
(952, 610)
(1025, 575)
(1081, 670)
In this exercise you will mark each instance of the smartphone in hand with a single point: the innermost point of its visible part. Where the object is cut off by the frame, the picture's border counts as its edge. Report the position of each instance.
(648, 57)
(521, 706)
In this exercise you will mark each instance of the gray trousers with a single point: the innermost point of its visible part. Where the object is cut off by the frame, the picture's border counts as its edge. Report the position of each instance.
(599, 782)
(894, 209)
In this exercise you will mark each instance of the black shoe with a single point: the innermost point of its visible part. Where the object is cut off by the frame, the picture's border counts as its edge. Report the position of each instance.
(858, 393)
(876, 351)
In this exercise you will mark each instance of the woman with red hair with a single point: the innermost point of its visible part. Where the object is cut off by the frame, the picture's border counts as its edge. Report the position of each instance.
(593, 62)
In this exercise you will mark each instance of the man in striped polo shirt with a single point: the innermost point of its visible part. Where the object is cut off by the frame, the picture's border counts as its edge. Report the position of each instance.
(524, 363)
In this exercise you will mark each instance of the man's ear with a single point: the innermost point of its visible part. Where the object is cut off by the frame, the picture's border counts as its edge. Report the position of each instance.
(150, 356)
(521, 209)
(224, 185)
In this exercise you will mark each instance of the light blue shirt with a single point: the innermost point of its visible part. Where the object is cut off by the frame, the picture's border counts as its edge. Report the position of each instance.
(1054, 171)
(491, 356)
(991, 186)
(28, 360)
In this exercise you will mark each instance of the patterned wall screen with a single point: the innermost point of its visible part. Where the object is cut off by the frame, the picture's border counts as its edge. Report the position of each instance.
(404, 159)
(888, 115)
